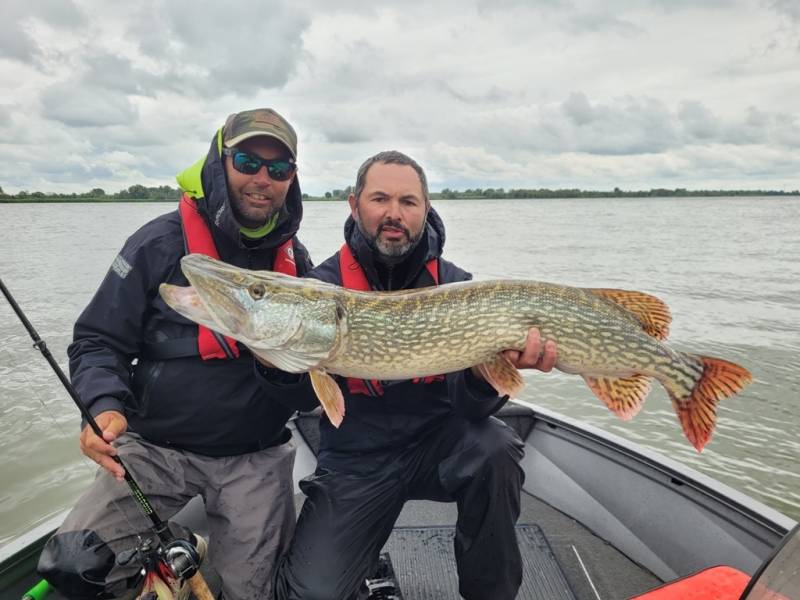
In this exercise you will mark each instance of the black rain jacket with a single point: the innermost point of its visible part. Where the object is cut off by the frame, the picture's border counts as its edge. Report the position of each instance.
(406, 411)
(214, 407)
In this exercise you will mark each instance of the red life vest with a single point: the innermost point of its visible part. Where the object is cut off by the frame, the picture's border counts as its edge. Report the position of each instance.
(354, 278)
(198, 240)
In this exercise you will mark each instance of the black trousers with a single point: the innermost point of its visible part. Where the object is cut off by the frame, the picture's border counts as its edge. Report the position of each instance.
(349, 513)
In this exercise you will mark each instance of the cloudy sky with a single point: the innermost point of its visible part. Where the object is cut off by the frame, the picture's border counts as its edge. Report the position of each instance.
(488, 93)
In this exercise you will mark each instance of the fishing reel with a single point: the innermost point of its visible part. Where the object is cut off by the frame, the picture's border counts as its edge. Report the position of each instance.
(179, 556)
(182, 558)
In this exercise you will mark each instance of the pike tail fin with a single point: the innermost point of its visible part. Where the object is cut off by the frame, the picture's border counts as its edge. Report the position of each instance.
(697, 413)
(329, 394)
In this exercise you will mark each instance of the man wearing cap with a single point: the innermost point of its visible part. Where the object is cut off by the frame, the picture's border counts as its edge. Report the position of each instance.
(183, 406)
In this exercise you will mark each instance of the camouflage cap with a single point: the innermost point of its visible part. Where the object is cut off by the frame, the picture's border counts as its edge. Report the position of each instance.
(260, 121)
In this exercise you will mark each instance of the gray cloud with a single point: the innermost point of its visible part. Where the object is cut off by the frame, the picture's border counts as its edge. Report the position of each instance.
(5, 115)
(340, 133)
(680, 5)
(787, 130)
(505, 94)
(15, 43)
(492, 95)
(598, 22)
(578, 109)
(86, 106)
(788, 8)
(261, 51)
(698, 121)
(754, 128)
(19, 16)
(117, 73)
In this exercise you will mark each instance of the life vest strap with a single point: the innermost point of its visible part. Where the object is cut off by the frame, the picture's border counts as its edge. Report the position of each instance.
(197, 238)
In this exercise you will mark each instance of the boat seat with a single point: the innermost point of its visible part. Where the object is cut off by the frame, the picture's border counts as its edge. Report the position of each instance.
(778, 578)
(518, 417)
(715, 583)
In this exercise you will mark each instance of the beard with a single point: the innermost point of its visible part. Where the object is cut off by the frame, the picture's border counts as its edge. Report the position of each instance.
(250, 216)
(390, 250)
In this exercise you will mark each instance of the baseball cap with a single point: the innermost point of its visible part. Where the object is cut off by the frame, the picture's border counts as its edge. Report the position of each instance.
(244, 125)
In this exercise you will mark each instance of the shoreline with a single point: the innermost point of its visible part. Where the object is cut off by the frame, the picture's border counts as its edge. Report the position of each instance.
(535, 195)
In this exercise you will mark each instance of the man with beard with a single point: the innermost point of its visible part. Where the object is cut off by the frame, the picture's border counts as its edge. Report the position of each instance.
(432, 438)
(182, 405)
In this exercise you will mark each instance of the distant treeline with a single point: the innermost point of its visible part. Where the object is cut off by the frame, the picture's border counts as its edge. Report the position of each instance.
(163, 193)
(615, 193)
(134, 192)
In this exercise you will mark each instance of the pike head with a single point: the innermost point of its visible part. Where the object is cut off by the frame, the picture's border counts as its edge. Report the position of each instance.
(293, 323)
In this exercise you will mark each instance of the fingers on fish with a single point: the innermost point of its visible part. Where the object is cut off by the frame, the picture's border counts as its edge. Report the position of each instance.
(502, 375)
(329, 395)
(698, 412)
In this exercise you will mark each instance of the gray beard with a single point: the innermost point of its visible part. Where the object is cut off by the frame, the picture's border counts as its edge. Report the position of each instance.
(389, 254)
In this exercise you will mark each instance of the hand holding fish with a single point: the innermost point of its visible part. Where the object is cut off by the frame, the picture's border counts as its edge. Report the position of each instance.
(100, 450)
(538, 354)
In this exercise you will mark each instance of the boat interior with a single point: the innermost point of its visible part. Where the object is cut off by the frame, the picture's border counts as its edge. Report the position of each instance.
(601, 519)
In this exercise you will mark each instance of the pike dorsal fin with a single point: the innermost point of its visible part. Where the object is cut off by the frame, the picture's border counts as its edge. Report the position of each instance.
(651, 312)
(624, 396)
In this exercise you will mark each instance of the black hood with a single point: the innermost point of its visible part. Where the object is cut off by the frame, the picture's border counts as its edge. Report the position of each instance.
(216, 205)
(429, 246)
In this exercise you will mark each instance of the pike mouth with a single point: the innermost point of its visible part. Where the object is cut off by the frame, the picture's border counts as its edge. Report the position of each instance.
(225, 300)
(186, 301)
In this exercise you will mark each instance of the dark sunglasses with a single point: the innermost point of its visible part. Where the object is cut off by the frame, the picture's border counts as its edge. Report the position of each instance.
(279, 169)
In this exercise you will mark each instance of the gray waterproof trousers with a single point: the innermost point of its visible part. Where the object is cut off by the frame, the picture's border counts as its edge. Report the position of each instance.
(350, 510)
(249, 506)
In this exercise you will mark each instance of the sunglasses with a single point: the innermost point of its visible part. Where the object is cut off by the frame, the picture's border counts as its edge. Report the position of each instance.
(279, 169)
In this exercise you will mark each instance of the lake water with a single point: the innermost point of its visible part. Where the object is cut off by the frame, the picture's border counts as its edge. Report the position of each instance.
(729, 268)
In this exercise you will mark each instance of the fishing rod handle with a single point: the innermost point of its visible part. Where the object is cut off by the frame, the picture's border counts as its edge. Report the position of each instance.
(199, 587)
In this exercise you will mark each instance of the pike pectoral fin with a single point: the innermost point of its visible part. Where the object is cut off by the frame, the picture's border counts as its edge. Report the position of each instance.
(329, 394)
(698, 412)
(624, 396)
(502, 375)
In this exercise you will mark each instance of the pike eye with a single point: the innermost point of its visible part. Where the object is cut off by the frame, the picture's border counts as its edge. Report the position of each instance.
(257, 291)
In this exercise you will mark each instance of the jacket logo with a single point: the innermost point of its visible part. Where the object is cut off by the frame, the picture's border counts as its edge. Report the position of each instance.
(121, 267)
(218, 216)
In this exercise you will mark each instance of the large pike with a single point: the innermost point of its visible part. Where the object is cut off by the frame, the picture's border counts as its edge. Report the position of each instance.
(613, 338)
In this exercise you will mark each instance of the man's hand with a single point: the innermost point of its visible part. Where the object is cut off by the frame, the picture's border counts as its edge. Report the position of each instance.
(536, 355)
(113, 424)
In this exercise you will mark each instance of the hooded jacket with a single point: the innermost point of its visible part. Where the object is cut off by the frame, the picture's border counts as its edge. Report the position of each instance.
(406, 411)
(215, 407)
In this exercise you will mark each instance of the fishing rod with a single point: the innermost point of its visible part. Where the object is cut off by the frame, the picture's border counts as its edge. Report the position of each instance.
(180, 556)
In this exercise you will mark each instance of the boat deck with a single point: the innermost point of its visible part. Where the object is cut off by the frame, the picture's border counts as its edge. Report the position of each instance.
(613, 490)
(593, 569)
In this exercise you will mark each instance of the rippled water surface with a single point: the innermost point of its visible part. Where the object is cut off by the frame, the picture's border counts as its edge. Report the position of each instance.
(729, 268)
